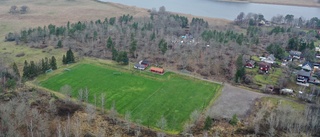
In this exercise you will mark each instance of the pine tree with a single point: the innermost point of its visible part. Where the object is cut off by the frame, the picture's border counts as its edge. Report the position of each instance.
(72, 60)
(16, 70)
(43, 67)
(64, 59)
(59, 45)
(33, 70)
(114, 54)
(69, 58)
(46, 64)
(163, 45)
(123, 58)
(53, 63)
(133, 47)
(109, 43)
(26, 72)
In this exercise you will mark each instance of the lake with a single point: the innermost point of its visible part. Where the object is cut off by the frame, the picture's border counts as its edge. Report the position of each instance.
(220, 9)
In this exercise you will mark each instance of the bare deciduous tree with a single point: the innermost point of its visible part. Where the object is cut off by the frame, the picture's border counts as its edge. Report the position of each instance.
(127, 119)
(67, 91)
(113, 112)
(102, 100)
(91, 111)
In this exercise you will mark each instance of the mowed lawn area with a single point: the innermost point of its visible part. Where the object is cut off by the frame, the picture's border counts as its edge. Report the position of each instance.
(146, 95)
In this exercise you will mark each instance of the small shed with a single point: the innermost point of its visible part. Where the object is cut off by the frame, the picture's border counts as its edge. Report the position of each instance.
(157, 70)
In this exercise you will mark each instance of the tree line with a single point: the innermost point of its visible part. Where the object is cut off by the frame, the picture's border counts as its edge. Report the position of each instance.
(32, 69)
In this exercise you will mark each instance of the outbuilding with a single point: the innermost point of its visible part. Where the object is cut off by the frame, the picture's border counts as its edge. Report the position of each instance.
(157, 70)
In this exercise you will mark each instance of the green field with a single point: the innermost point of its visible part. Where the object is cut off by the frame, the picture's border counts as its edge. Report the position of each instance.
(148, 96)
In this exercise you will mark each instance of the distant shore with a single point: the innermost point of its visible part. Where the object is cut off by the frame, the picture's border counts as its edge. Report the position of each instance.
(303, 3)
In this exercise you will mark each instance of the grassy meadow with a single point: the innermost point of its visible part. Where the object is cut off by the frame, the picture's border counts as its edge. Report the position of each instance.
(146, 95)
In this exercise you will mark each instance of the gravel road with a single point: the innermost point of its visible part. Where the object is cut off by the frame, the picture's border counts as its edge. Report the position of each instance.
(233, 100)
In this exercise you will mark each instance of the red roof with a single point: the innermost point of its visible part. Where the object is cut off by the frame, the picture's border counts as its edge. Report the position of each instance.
(161, 70)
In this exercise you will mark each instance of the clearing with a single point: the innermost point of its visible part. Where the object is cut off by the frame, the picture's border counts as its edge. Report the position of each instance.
(146, 95)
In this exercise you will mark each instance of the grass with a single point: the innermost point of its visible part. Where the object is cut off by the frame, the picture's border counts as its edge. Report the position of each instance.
(270, 79)
(148, 96)
(275, 101)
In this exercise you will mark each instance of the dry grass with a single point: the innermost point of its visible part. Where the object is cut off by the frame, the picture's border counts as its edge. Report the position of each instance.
(307, 3)
(59, 12)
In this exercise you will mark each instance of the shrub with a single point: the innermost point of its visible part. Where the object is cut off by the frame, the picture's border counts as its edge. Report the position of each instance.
(234, 120)
(207, 123)
(20, 54)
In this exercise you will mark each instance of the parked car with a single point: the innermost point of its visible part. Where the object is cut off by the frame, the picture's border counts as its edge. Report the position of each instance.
(286, 91)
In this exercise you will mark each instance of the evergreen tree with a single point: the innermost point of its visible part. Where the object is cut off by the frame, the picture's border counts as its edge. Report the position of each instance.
(64, 60)
(46, 64)
(16, 70)
(163, 46)
(70, 57)
(241, 71)
(123, 58)
(114, 54)
(72, 60)
(59, 45)
(133, 47)
(33, 70)
(43, 67)
(26, 72)
(109, 43)
(53, 63)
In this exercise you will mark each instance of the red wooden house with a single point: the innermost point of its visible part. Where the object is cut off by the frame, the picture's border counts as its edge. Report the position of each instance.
(264, 67)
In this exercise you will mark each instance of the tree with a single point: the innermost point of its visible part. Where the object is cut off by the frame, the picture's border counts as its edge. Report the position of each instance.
(207, 123)
(110, 43)
(163, 45)
(13, 9)
(67, 91)
(64, 60)
(123, 58)
(162, 124)
(133, 47)
(69, 58)
(277, 50)
(112, 20)
(289, 18)
(16, 70)
(59, 45)
(26, 70)
(240, 18)
(241, 72)
(127, 118)
(24, 9)
(102, 100)
(53, 63)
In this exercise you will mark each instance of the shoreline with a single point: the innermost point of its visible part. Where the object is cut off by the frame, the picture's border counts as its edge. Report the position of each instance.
(307, 4)
(211, 20)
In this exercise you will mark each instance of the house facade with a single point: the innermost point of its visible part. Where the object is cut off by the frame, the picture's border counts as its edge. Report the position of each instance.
(250, 64)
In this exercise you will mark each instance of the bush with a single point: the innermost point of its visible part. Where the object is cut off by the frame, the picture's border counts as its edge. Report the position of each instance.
(20, 54)
(207, 123)
(234, 120)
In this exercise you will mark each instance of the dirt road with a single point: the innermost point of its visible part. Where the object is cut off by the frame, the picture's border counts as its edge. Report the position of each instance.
(233, 100)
